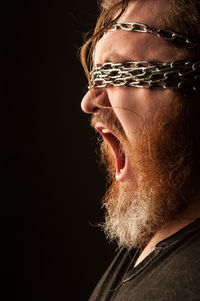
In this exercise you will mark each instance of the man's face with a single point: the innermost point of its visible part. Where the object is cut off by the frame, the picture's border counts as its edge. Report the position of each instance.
(133, 123)
(132, 107)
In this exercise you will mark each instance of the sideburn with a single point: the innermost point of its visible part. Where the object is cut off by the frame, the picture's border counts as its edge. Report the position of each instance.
(166, 156)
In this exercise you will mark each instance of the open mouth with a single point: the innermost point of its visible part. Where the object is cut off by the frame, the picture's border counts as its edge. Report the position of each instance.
(116, 146)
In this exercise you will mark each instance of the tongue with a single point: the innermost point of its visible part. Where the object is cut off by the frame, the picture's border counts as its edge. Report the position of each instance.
(118, 152)
(120, 159)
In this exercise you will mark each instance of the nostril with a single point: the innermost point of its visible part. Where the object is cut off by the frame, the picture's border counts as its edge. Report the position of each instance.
(94, 100)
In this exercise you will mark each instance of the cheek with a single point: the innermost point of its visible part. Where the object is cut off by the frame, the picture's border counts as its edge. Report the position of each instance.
(135, 107)
(130, 106)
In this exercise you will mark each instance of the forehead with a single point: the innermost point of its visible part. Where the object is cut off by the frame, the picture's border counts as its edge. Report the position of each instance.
(146, 11)
(120, 45)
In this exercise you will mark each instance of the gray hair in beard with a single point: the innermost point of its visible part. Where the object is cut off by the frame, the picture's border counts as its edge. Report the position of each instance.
(132, 223)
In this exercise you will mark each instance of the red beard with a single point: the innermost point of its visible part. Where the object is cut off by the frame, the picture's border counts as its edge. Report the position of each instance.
(165, 160)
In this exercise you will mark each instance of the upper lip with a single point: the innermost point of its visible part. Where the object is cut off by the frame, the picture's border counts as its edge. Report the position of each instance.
(100, 127)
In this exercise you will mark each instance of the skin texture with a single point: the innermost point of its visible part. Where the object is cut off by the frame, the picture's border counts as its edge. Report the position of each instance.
(135, 107)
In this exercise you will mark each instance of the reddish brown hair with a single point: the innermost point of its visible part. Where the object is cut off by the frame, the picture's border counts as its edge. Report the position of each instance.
(108, 8)
(182, 17)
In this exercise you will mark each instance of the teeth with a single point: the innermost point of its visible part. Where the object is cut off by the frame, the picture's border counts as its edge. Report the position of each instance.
(105, 131)
(121, 170)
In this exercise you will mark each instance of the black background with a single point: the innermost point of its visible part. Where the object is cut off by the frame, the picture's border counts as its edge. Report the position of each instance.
(51, 185)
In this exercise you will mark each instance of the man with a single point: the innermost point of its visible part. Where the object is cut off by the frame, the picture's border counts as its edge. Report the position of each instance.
(144, 100)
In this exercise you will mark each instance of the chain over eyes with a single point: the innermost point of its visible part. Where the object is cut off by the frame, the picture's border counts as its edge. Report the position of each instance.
(178, 75)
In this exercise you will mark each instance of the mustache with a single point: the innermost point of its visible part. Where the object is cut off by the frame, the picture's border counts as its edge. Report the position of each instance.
(108, 118)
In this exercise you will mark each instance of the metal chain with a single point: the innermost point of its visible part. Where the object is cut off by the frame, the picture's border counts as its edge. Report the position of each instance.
(162, 33)
(178, 75)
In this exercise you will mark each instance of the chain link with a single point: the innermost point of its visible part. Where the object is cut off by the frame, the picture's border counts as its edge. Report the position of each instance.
(178, 75)
(162, 33)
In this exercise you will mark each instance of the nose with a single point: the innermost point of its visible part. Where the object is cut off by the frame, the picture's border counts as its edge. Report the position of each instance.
(94, 100)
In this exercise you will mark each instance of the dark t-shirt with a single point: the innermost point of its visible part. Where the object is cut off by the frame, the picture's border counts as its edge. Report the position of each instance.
(170, 272)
